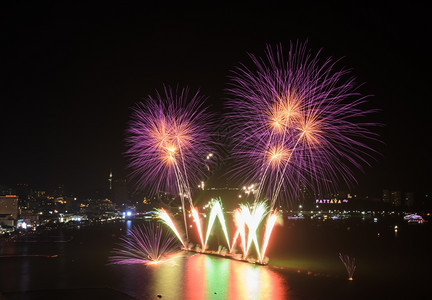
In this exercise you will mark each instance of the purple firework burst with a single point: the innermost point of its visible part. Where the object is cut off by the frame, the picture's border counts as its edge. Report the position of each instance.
(168, 138)
(147, 244)
(297, 123)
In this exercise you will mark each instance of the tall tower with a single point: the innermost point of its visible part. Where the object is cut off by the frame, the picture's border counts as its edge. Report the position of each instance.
(110, 181)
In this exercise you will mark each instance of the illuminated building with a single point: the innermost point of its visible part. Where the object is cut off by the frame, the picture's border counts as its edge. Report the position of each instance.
(29, 219)
(8, 209)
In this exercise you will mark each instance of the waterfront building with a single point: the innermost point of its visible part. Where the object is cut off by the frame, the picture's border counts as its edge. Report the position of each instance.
(9, 208)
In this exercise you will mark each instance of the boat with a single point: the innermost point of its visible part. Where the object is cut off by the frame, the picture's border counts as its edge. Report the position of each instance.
(414, 219)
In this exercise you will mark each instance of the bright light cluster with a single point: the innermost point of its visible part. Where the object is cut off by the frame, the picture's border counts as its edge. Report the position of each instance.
(248, 220)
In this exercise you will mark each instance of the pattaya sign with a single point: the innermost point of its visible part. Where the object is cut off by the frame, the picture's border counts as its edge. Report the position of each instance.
(330, 201)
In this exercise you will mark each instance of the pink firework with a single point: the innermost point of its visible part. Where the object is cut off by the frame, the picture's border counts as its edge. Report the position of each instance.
(168, 139)
(297, 123)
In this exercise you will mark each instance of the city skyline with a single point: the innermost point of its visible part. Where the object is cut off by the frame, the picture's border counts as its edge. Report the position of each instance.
(73, 75)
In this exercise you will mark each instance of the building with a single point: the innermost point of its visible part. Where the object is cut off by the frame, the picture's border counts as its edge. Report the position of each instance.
(22, 190)
(386, 196)
(29, 218)
(409, 199)
(396, 198)
(9, 209)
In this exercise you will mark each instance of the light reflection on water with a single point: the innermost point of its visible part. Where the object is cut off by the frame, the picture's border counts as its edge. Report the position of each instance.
(81, 263)
(202, 276)
(128, 226)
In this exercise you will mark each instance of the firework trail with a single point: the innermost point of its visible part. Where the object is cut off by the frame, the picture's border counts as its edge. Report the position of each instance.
(297, 123)
(250, 217)
(145, 244)
(216, 211)
(271, 221)
(349, 263)
(240, 222)
(166, 219)
(168, 138)
(196, 219)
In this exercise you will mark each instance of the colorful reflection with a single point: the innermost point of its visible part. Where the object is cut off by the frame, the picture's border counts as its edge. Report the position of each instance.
(194, 279)
(201, 276)
(166, 275)
(217, 275)
(249, 281)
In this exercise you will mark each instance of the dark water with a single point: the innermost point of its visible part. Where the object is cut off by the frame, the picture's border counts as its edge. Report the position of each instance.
(304, 264)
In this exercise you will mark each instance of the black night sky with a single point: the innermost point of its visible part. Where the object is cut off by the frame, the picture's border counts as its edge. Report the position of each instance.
(72, 71)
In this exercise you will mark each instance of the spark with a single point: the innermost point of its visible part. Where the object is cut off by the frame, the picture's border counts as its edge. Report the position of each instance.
(271, 221)
(165, 218)
(350, 265)
(277, 155)
(196, 218)
(250, 217)
(240, 223)
(254, 216)
(216, 211)
(146, 244)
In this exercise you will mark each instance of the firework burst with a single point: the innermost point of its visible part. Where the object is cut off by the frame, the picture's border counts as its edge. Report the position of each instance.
(147, 244)
(168, 139)
(296, 123)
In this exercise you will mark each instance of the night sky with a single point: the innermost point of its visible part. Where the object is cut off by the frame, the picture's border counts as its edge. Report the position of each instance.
(72, 72)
